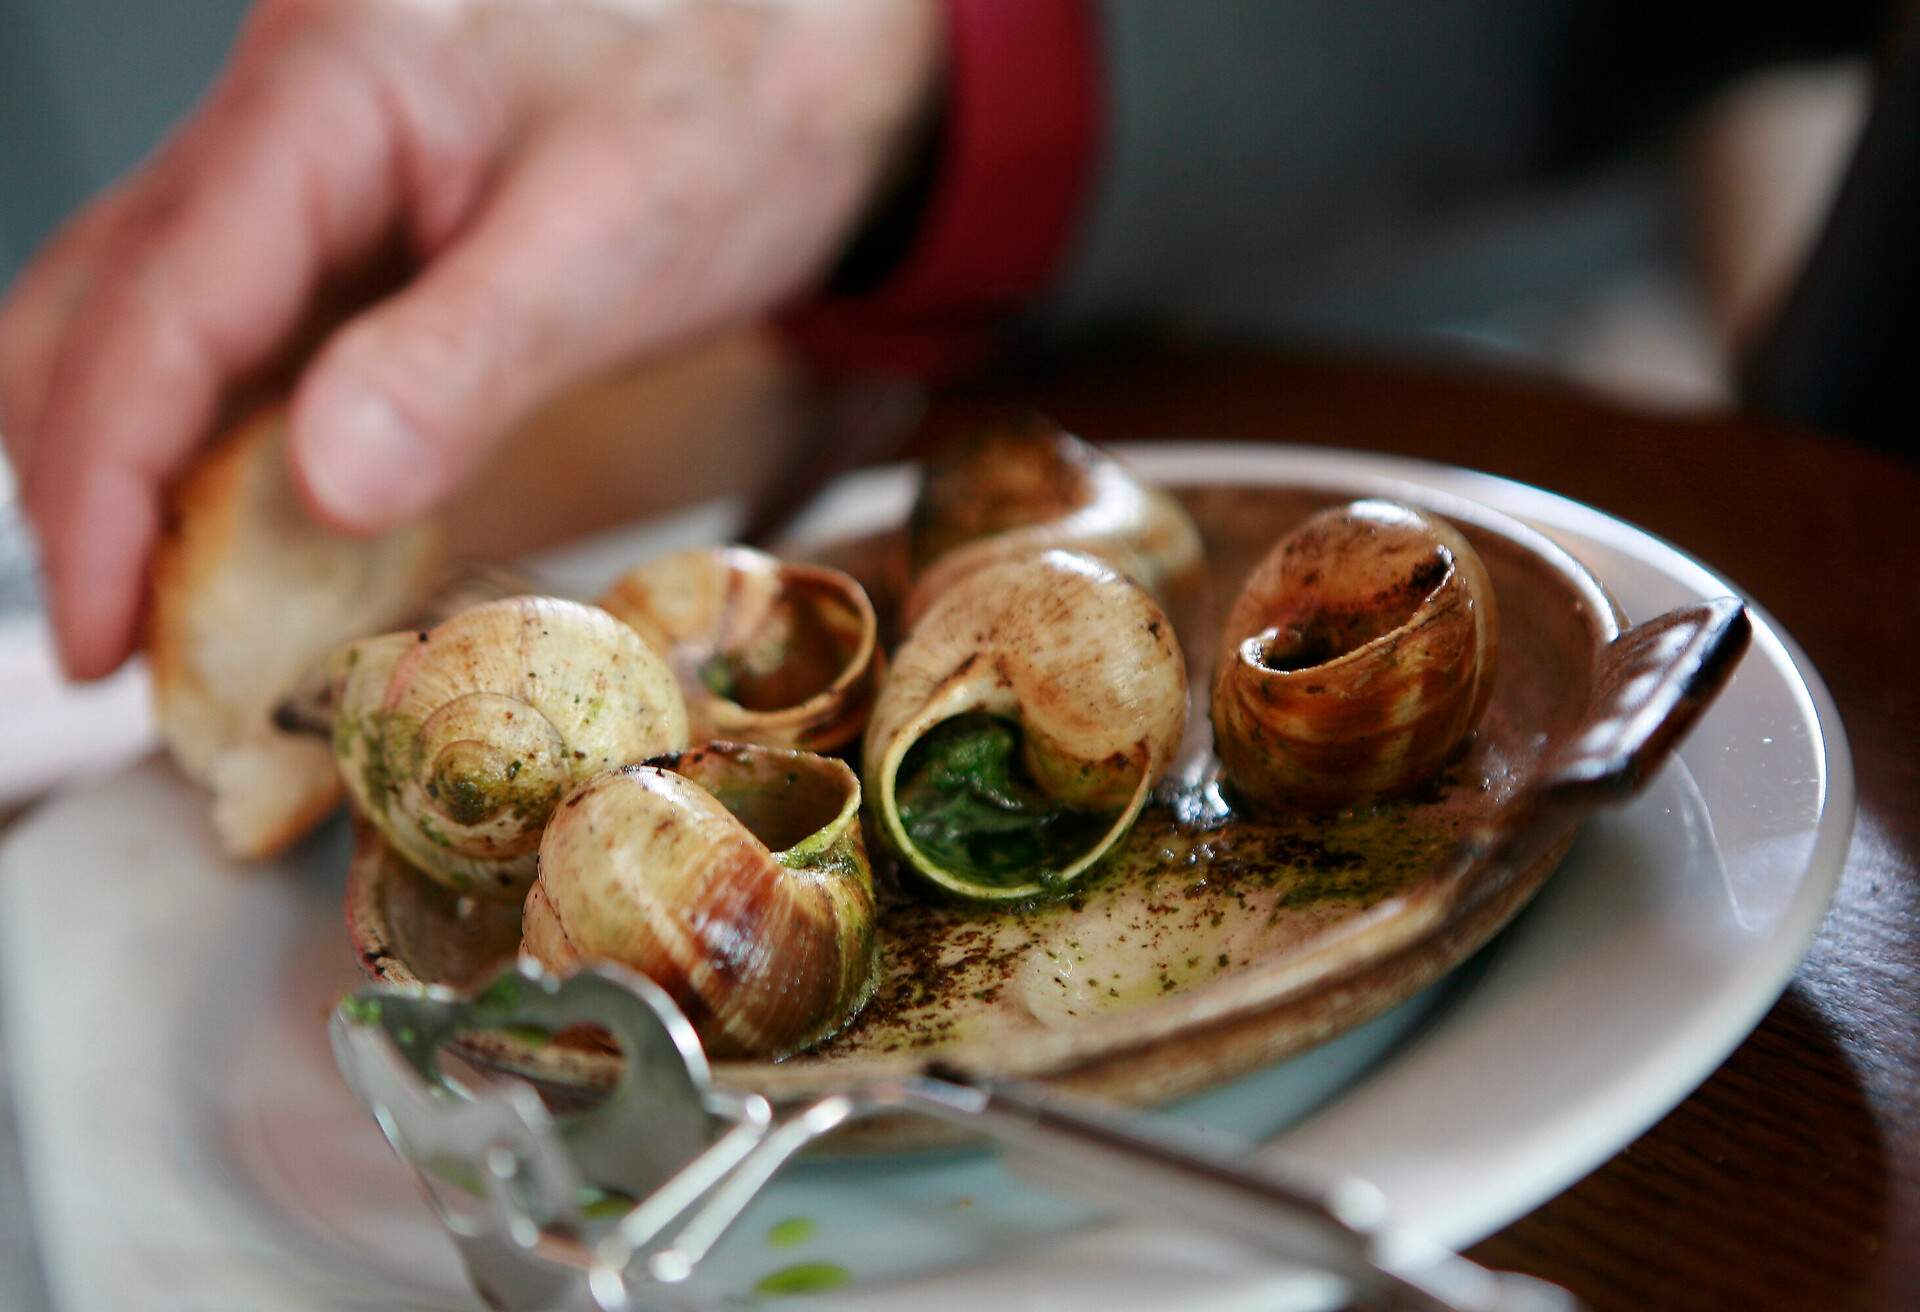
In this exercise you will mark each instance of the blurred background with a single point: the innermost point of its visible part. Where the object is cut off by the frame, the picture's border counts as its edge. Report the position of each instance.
(1617, 195)
(1659, 237)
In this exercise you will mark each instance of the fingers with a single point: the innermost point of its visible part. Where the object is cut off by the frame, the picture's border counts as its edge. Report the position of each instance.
(539, 292)
(286, 172)
(36, 312)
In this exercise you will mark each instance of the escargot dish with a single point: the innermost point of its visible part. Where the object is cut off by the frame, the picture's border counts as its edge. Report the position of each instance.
(766, 651)
(1023, 724)
(1093, 888)
(457, 742)
(1023, 486)
(1356, 660)
(733, 876)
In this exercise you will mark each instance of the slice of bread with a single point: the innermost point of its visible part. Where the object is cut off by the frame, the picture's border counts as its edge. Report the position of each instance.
(248, 594)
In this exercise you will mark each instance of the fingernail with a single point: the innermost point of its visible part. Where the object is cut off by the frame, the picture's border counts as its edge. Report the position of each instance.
(364, 465)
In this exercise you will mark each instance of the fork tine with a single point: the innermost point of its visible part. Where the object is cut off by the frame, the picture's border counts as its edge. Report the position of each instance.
(694, 1240)
(701, 1177)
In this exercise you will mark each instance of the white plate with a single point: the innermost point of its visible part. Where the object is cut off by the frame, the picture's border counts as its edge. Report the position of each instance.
(189, 1145)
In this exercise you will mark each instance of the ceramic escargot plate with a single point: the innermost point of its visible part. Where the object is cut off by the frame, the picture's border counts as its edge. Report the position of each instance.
(1207, 944)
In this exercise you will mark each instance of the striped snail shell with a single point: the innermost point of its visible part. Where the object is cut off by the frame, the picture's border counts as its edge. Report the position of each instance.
(1022, 486)
(457, 742)
(1023, 724)
(733, 876)
(766, 651)
(1357, 658)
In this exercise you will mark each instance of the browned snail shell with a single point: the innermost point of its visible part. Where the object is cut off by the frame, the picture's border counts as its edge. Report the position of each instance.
(1359, 655)
(1023, 486)
(1023, 725)
(457, 742)
(735, 877)
(766, 651)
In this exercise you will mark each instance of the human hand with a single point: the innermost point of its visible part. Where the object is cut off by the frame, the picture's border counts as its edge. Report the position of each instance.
(579, 181)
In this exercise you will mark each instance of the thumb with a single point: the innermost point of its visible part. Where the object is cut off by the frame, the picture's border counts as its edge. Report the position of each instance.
(386, 422)
(406, 400)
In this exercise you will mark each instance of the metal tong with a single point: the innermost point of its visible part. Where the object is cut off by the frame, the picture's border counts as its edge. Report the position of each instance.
(674, 1161)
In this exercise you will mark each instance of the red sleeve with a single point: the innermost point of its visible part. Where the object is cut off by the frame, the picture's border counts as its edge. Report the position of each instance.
(1017, 149)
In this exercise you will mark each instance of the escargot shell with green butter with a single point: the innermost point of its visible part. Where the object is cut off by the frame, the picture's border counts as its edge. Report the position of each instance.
(766, 651)
(1023, 724)
(457, 742)
(733, 876)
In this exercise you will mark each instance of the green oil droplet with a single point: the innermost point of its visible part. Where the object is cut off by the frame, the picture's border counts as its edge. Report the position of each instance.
(533, 1036)
(597, 1204)
(792, 1232)
(803, 1278)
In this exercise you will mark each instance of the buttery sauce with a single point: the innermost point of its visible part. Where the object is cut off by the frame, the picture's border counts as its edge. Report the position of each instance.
(1191, 894)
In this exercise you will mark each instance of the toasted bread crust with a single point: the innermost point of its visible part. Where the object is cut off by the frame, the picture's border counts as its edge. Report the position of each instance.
(201, 523)
(247, 593)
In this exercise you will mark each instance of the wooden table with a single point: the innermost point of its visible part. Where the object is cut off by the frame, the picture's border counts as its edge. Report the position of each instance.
(1791, 1179)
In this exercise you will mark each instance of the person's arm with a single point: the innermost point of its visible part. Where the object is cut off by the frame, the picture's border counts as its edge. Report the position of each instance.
(1211, 162)
(1296, 165)
(991, 214)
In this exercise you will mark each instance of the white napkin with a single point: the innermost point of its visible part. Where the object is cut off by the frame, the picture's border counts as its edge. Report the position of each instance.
(52, 731)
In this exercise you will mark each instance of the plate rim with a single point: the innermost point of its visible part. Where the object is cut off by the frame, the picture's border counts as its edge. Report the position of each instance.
(1634, 1110)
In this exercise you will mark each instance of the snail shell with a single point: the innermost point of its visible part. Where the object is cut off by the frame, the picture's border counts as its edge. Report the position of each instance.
(1025, 486)
(1073, 653)
(1356, 659)
(456, 743)
(308, 705)
(735, 877)
(766, 652)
